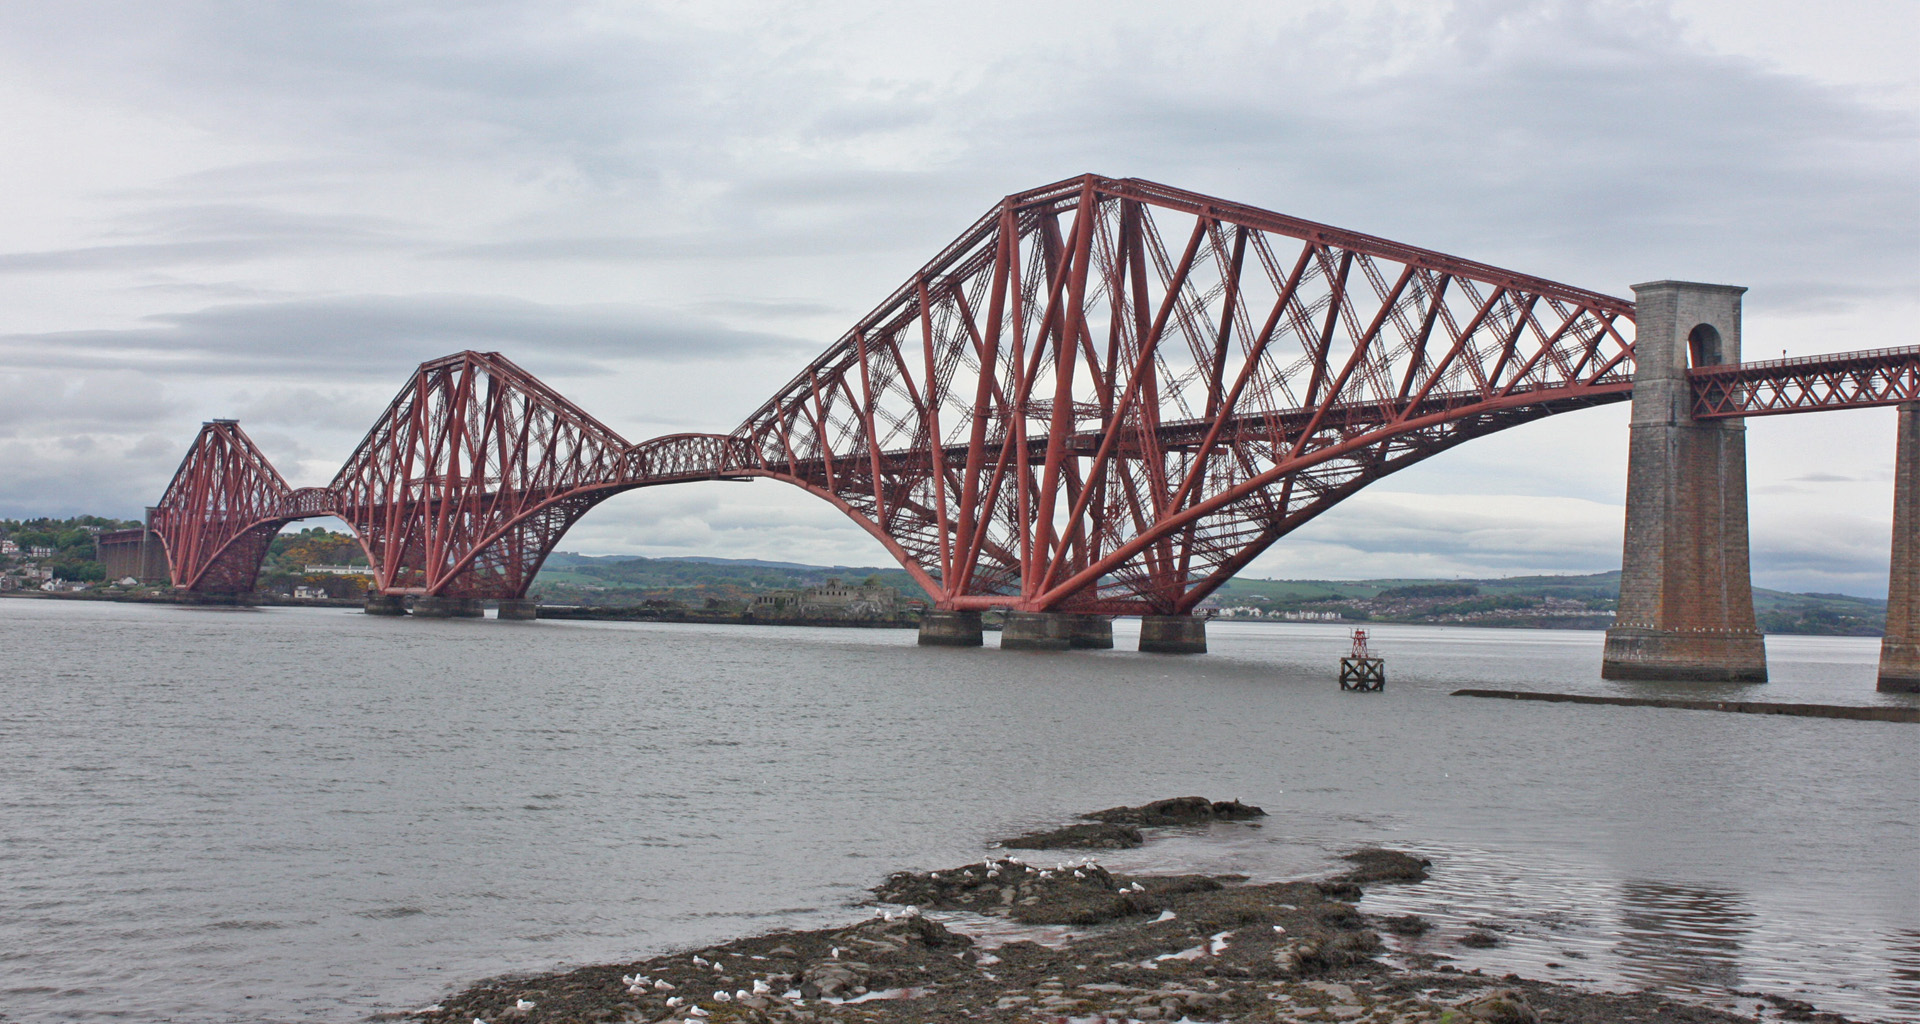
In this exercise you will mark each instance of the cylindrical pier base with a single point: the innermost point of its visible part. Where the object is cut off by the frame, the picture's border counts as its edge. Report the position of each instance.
(1704, 656)
(385, 604)
(518, 610)
(1037, 631)
(1173, 634)
(949, 629)
(1091, 632)
(431, 607)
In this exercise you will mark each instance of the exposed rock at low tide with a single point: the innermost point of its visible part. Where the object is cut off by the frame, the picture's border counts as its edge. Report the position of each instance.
(1154, 948)
(1180, 810)
(1098, 836)
(1376, 865)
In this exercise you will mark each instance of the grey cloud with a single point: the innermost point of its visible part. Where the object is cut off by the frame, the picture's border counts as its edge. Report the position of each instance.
(210, 234)
(309, 407)
(381, 335)
(107, 400)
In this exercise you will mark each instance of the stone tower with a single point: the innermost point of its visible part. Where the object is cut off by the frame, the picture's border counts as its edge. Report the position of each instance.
(1686, 593)
(1900, 649)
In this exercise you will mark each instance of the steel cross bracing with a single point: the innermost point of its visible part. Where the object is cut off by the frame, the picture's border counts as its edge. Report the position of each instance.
(1887, 376)
(1107, 396)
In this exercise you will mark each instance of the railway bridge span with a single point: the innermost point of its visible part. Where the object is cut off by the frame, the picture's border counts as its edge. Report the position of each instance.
(1105, 398)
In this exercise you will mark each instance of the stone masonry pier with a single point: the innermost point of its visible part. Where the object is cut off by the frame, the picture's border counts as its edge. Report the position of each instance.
(1686, 594)
(1900, 649)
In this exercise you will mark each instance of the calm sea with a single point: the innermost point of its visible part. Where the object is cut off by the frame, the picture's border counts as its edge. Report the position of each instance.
(315, 815)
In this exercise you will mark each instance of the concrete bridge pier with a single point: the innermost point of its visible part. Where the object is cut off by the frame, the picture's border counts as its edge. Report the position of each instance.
(1173, 634)
(518, 610)
(385, 604)
(1092, 632)
(1055, 631)
(1036, 631)
(428, 606)
(1686, 591)
(1900, 648)
(950, 629)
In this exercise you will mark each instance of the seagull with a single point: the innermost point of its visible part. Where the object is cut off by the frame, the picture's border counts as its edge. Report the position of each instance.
(1079, 874)
(741, 993)
(697, 1012)
(760, 987)
(834, 952)
(663, 985)
(523, 1005)
(722, 997)
(675, 1001)
(700, 962)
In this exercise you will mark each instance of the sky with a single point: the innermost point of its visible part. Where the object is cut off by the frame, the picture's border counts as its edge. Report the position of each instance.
(272, 212)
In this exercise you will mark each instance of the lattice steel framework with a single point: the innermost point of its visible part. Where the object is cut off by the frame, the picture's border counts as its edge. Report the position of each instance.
(1109, 395)
(1887, 376)
(1106, 396)
(221, 511)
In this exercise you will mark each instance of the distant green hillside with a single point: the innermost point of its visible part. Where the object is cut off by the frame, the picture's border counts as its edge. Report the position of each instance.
(569, 578)
(1563, 601)
(1580, 602)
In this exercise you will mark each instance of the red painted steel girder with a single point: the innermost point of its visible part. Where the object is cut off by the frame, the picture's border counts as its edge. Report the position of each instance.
(221, 511)
(1108, 395)
(473, 472)
(1848, 380)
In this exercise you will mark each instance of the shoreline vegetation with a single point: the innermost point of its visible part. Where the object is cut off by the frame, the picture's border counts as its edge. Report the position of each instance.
(316, 567)
(1068, 941)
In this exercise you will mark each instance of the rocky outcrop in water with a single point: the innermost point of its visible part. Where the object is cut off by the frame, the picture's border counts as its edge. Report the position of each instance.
(1153, 948)
(1180, 810)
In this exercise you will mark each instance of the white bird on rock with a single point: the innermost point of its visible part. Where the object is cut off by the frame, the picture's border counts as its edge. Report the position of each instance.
(698, 1012)
(523, 1005)
(760, 987)
(663, 985)
(741, 993)
(675, 1001)
(722, 997)
(699, 962)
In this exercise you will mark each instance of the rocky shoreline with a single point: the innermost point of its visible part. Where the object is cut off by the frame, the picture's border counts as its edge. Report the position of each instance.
(1070, 942)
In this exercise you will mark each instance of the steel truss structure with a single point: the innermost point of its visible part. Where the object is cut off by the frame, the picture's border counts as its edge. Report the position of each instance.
(1107, 396)
(1886, 376)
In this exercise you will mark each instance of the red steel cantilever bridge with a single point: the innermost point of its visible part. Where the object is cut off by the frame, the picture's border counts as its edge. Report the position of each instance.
(1106, 396)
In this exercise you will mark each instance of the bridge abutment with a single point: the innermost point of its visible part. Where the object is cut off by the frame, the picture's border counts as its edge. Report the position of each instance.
(950, 629)
(1900, 648)
(1686, 591)
(1173, 634)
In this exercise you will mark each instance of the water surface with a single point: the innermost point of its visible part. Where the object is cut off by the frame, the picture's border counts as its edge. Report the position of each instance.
(314, 815)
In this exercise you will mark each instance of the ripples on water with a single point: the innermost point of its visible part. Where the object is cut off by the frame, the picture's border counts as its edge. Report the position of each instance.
(315, 815)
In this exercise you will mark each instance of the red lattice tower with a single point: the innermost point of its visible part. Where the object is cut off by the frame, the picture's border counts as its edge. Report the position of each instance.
(1110, 395)
(221, 511)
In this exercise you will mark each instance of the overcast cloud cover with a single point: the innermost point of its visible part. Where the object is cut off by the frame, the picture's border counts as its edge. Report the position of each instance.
(272, 211)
